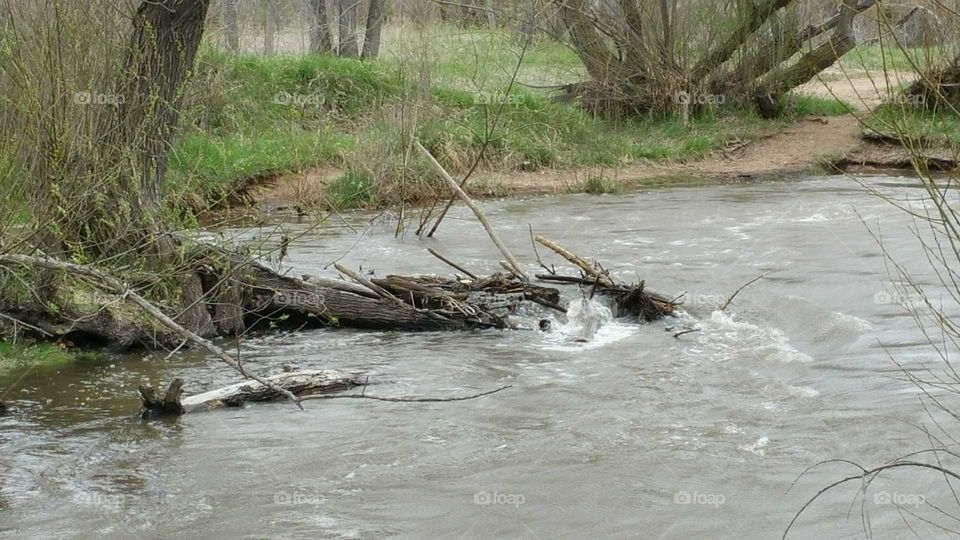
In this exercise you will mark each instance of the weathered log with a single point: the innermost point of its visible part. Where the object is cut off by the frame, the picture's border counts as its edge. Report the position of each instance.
(122, 289)
(298, 383)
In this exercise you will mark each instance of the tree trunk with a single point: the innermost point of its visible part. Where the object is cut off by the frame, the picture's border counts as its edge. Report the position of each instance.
(231, 30)
(587, 41)
(756, 15)
(371, 39)
(163, 46)
(634, 71)
(269, 27)
(778, 82)
(666, 21)
(162, 49)
(348, 47)
(320, 40)
(491, 14)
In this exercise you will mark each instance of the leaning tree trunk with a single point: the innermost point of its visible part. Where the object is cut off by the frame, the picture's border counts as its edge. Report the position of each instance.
(348, 47)
(231, 30)
(371, 39)
(320, 40)
(781, 80)
(161, 52)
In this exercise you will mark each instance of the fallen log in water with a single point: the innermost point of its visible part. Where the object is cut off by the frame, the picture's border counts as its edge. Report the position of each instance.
(240, 294)
(298, 383)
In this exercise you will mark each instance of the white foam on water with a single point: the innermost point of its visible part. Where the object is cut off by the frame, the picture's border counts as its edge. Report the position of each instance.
(816, 218)
(723, 338)
(590, 325)
(758, 448)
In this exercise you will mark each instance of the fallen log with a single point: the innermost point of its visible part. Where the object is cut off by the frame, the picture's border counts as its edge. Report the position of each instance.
(153, 311)
(242, 294)
(298, 383)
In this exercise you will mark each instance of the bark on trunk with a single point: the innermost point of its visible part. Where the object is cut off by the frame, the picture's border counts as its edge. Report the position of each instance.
(491, 13)
(756, 15)
(269, 27)
(162, 49)
(320, 39)
(348, 47)
(587, 41)
(371, 39)
(780, 81)
(231, 30)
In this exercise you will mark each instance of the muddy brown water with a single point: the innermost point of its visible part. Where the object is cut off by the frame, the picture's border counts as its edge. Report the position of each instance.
(634, 434)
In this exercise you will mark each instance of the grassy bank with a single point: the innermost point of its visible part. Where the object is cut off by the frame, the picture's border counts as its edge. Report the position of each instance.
(933, 128)
(251, 117)
(876, 58)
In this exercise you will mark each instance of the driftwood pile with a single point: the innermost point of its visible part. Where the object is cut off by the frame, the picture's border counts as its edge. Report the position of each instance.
(251, 296)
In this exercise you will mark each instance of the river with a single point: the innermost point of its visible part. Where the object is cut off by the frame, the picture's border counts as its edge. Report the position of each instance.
(634, 434)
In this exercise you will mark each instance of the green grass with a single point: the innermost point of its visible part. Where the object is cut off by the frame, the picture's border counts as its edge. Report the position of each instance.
(890, 57)
(934, 127)
(212, 166)
(800, 105)
(27, 354)
(350, 190)
(597, 184)
(249, 117)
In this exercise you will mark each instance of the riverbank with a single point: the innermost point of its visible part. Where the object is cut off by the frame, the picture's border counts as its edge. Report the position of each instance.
(316, 131)
(277, 141)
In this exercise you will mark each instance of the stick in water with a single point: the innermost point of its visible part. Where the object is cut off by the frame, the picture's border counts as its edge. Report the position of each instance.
(476, 210)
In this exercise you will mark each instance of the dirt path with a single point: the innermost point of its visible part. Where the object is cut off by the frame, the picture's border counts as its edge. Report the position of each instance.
(799, 147)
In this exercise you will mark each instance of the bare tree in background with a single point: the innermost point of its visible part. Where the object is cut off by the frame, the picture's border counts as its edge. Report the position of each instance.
(371, 39)
(269, 27)
(231, 28)
(491, 13)
(641, 55)
(320, 39)
(348, 47)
